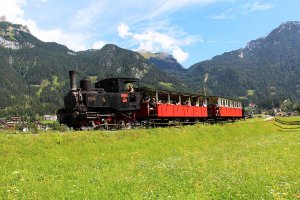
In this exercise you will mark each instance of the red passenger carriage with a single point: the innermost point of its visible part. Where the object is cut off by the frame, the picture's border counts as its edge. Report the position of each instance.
(161, 105)
(224, 108)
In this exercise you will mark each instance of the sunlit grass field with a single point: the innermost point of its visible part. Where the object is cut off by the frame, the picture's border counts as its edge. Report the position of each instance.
(288, 119)
(250, 159)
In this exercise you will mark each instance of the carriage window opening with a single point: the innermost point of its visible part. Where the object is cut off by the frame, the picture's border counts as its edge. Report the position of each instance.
(213, 101)
(203, 102)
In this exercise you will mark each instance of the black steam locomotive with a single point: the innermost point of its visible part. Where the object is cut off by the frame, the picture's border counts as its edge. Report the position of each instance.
(120, 102)
(109, 102)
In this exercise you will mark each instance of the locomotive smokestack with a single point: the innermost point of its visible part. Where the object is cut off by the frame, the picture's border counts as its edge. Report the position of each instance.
(72, 75)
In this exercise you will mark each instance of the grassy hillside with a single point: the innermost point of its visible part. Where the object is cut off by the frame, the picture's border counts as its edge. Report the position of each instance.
(245, 160)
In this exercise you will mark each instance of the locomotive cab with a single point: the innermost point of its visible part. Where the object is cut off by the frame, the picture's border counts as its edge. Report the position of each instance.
(122, 92)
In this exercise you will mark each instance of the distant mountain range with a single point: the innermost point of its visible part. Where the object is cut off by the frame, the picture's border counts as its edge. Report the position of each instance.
(34, 73)
(266, 70)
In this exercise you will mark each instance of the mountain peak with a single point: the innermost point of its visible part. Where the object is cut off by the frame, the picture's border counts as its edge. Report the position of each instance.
(164, 61)
(8, 26)
(286, 33)
(287, 27)
(11, 34)
(159, 55)
(110, 47)
(289, 24)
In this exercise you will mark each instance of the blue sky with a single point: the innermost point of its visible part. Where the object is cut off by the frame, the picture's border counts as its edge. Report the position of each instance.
(190, 30)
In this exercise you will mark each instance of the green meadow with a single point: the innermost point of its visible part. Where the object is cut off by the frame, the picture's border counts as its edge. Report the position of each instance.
(289, 119)
(250, 159)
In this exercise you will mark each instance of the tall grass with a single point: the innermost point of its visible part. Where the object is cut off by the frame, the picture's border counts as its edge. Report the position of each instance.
(244, 160)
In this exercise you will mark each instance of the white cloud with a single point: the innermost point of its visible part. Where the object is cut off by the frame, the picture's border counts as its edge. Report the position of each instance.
(211, 41)
(74, 41)
(155, 41)
(179, 54)
(242, 10)
(220, 16)
(123, 30)
(173, 5)
(12, 9)
(86, 16)
(227, 14)
(190, 40)
(157, 8)
(98, 44)
(256, 6)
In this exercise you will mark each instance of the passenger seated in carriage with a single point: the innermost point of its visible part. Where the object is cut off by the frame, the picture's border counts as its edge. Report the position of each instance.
(130, 88)
(188, 103)
(152, 103)
(145, 97)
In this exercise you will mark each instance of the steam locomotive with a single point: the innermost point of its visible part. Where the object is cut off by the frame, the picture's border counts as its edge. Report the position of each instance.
(120, 102)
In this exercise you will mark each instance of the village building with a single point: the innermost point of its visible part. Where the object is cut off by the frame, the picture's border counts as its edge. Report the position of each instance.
(2, 19)
(50, 117)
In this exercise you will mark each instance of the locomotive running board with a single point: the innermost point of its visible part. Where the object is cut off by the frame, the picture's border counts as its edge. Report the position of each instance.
(94, 115)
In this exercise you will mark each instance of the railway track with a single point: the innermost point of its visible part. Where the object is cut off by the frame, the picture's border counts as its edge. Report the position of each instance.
(152, 124)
